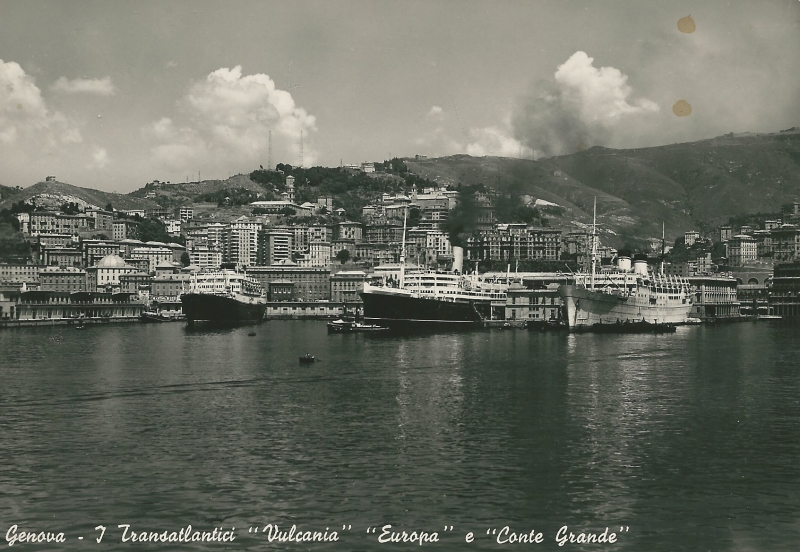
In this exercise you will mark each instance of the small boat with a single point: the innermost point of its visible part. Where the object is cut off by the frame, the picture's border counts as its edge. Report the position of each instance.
(307, 359)
(344, 326)
(507, 326)
(631, 326)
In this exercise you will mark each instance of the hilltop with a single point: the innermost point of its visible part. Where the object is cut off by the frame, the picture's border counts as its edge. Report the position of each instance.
(697, 185)
(52, 194)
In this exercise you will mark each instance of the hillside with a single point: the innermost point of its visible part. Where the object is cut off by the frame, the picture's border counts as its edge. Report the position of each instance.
(54, 194)
(184, 193)
(695, 185)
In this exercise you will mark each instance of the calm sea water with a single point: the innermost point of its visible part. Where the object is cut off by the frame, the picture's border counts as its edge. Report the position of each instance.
(690, 441)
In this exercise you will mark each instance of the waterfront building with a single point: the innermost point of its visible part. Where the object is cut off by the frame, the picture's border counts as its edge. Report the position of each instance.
(68, 279)
(715, 297)
(135, 283)
(346, 285)
(310, 283)
(169, 286)
(784, 294)
(539, 304)
(58, 305)
(280, 290)
(105, 274)
(19, 273)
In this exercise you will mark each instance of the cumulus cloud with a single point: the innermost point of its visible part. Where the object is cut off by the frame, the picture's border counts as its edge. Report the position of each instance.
(583, 106)
(496, 141)
(228, 118)
(25, 120)
(435, 113)
(98, 87)
(99, 158)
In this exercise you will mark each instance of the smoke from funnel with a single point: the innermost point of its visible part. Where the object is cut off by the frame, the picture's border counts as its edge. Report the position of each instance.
(582, 107)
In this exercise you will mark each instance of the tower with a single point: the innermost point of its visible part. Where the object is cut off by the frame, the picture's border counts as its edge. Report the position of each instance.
(301, 148)
(269, 154)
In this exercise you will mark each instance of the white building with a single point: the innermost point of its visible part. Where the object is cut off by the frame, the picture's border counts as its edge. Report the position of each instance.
(153, 254)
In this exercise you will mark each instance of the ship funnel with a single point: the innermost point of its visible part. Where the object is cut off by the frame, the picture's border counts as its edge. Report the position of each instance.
(640, 267)
(624, 263)
(458, 259)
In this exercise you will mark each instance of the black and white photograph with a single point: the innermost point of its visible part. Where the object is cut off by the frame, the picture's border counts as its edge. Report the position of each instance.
(372, 275)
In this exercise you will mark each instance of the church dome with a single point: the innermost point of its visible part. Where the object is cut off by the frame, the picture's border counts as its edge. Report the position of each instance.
(112, 261)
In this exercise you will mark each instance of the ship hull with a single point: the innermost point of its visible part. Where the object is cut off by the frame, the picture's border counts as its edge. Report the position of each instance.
(200, 307)
(409, 312)
(584, 308)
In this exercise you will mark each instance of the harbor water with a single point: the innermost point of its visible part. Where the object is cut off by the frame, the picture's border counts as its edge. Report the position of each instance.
(685, 441)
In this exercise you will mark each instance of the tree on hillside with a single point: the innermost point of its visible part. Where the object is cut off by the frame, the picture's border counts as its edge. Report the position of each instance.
(185, 259)
(109, 207)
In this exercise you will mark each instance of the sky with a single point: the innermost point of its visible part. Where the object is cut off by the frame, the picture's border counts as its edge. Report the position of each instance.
(114, 94)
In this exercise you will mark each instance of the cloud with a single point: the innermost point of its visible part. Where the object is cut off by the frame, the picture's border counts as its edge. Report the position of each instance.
(582, 107)
(436, 113)
(495, 141)
(99, 158)
(26, 123)
(98, 87)
(227, 121)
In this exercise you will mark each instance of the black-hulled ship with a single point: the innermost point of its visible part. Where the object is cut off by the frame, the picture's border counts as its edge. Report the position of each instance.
(224, 296)
(432, 299)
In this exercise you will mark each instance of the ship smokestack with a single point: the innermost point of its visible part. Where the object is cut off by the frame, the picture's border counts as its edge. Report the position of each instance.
(624, 263)
(458, 259)
(640, 267)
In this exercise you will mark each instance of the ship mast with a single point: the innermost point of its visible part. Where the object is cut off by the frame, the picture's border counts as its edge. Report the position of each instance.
(403, 252)
(594, 240)
(662, 248)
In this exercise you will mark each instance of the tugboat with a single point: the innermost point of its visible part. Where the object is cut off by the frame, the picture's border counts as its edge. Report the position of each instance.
(348, 324)
(307, 359)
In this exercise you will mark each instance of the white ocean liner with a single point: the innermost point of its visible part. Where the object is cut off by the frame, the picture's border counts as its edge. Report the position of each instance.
(627, 294)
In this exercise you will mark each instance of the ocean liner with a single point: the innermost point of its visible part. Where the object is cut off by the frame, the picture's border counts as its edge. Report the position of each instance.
(424, 299)
(624, 295)
(224, 296)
